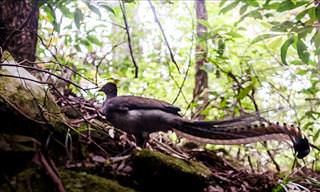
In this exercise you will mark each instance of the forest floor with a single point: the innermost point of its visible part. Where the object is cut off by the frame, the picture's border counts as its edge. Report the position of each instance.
(81, 152)
(222, 173)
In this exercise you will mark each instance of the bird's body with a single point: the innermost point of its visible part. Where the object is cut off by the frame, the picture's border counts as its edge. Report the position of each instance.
(141, 116)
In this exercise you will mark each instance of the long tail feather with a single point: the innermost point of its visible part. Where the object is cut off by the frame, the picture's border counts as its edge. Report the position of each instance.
(229, 132)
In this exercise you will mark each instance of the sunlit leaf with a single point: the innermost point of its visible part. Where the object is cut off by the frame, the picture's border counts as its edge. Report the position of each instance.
(303, 13)
(253, 3)
(94, 40)
(128, 1)
(316, 39)
(254, 13)
(288, 5)
(313, 13)
(275, 44)
(271, 6)
(316, 136)
(284, 49)
(107, 7)
(263, 37)
(234, 34)
(94, 9)
(65, 11)
(78, 17)
(221, 47)
(227, 8)
(302, 72)
(243, 9)
(302, 51)
(245, 91)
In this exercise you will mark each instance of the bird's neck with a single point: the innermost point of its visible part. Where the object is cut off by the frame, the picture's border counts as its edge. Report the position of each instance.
(111, 95)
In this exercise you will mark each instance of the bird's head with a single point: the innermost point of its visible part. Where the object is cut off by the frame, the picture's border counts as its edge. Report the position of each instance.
(110, 89)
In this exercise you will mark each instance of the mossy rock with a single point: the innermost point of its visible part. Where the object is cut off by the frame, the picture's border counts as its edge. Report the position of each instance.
(35, 180)
(155, 171)
(29, 98)
(16, 152)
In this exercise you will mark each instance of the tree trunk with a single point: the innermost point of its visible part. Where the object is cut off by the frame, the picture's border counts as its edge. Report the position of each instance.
(200, 94)
(18, 28)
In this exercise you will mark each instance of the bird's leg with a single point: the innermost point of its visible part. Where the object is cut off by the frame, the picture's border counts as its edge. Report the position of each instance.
(141, 139)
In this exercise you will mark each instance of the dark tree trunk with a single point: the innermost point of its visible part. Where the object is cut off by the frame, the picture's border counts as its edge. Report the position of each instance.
(18, 28)
(201, 77)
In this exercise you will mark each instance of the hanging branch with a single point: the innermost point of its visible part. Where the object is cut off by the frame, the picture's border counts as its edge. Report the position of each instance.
(189, 62)
(40, 70)
(123, 10)
(164, 35)
(57, 61)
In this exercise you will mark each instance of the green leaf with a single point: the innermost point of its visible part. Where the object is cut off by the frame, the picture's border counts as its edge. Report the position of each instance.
(243, 9)
(304, 31)
(128, 1)
(317, 11)
(254, 13)
(312, 14)
(245, 91)
(316, 136)
(221, 47)
(302, 72)
(222, 2)
(307, 125)
(78, 17)
(108, 8)
(303, 13)
(94, 9)
(229, 7)
(252, 3)
(275, 43)
(94, 40)
(284, 49)
(289, 5)
(263, 37)
(87, 44)
(302, 51)
(316, 39)
(234, 34)
(271, 6)
(65, 11)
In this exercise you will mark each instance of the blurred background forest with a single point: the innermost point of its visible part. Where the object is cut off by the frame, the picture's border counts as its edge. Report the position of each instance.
(262, 56)
(222, 60)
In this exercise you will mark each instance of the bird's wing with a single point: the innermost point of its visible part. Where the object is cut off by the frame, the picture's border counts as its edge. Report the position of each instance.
(135, 102)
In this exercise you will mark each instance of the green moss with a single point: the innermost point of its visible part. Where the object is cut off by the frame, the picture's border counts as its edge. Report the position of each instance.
(153, 169)
(18, 143)
(81, 182)
(35, 180)
(30, 98)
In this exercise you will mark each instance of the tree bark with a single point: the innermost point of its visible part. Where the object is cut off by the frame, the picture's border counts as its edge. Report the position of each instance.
(18, 28)
(200, 94)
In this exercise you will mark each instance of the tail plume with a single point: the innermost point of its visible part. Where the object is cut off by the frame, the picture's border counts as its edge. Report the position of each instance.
(243, 131)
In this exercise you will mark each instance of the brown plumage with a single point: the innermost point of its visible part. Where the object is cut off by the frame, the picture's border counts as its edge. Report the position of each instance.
(141, 116)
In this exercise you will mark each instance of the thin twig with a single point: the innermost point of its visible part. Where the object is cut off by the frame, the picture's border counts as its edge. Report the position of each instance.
(123, 10)
(189, 62)
(164, 35)
(103, 57)
(42, 70)
(59, 63)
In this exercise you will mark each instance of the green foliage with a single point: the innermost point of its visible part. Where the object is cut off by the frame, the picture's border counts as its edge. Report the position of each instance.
(284, 49)
(263, 53)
